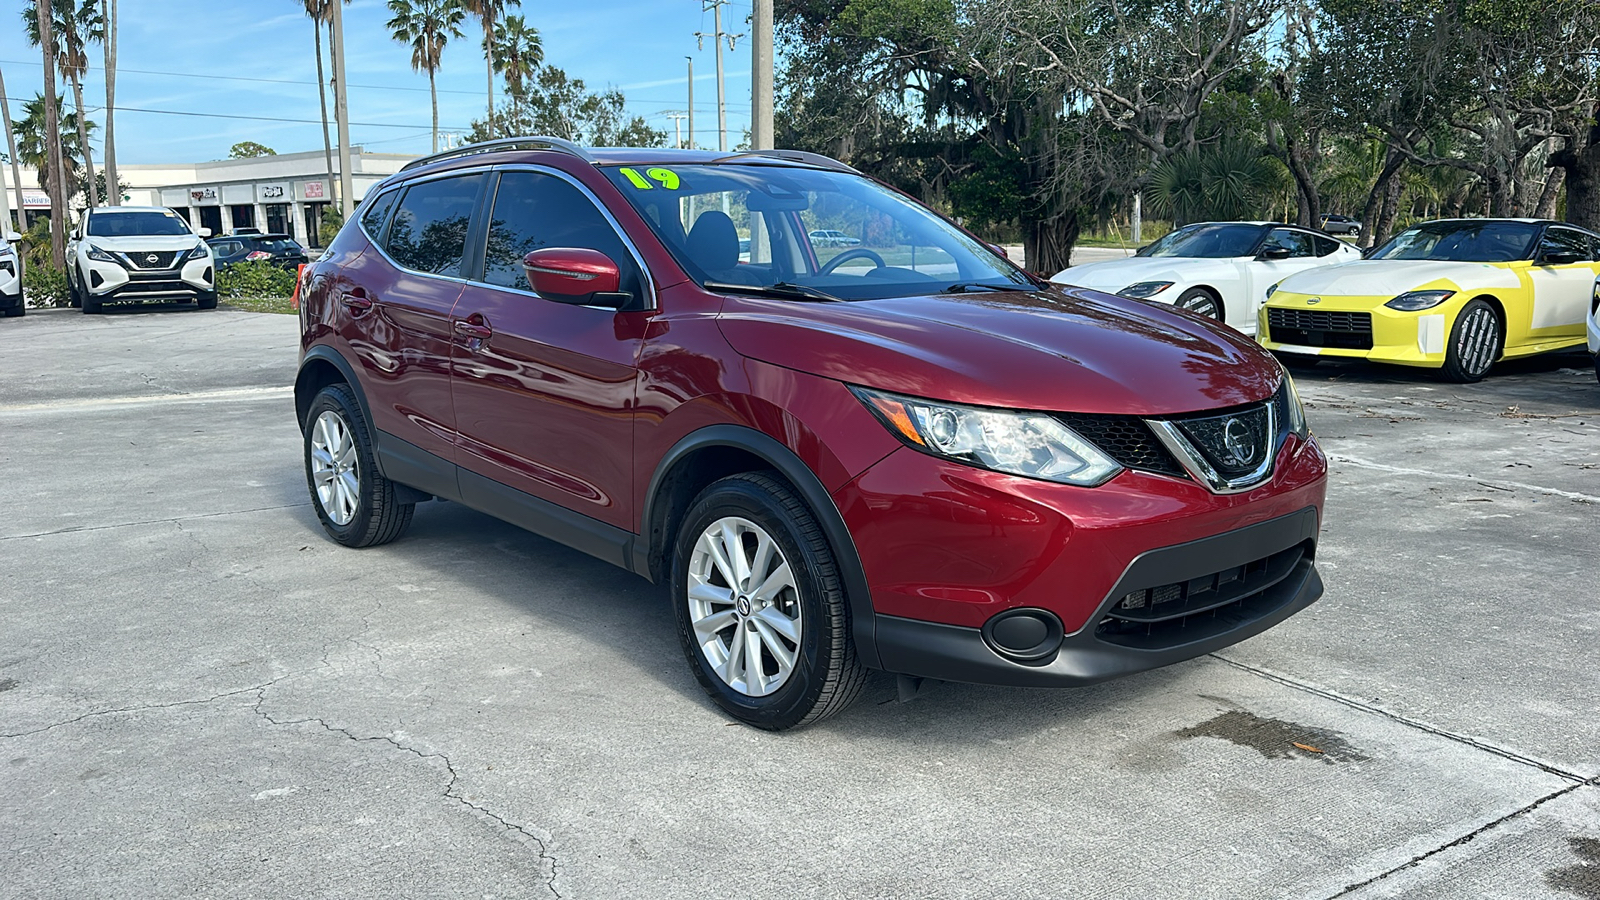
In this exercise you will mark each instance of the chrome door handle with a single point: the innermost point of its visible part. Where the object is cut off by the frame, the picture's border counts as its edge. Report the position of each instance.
(481, 332)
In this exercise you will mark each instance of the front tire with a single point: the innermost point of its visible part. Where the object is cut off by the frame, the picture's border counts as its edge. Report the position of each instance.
(207, 301)
(19, 310)
(357, 506)
(1201, 301)
(1475, 342)
(761, 608)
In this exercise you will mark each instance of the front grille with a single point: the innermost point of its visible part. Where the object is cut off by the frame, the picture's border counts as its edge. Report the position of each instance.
(143, 259)
(1170, 614)
(1126, 439)
(1235, 443)
(1319, 328)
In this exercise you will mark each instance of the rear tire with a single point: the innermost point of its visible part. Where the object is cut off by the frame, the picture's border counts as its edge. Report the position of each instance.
(357, 506)
(761, 607)
(1475, 343)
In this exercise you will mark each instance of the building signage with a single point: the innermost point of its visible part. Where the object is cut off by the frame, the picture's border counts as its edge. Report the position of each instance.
(34, 199)
(204, 197)
(273, 193)
(313, 190)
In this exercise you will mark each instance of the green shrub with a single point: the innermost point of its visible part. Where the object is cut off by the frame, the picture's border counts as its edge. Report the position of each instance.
(43, 286)
(254, 279)
(328, 229)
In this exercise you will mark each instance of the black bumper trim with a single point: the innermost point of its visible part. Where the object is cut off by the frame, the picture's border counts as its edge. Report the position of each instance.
(956, 653)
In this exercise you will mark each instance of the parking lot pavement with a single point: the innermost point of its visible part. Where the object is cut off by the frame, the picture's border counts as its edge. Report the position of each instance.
(200, 695)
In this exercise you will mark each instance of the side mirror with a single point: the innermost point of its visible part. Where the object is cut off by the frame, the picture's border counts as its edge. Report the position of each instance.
(11, 236)
(1560, 257)
(575, 275)
(205, 232)
(1276, 252)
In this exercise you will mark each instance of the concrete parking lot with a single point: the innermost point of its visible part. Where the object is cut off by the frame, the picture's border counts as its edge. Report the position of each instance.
(200, 695)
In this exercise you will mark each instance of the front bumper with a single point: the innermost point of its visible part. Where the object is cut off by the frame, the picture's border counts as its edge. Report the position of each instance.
(110, 282)
(1594, 333)
(948, 549)
(1359, 328)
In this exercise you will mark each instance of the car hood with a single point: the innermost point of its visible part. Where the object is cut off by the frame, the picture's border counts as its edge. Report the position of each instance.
(145, 242)
(1389, 277)
(1115, 274)
(1070, 350)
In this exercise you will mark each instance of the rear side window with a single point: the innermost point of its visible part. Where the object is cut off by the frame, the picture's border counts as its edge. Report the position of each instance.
(227, 248)
(372, 217)
(1298, 242)
(429, 230)
(533, 211)
(1326, 245)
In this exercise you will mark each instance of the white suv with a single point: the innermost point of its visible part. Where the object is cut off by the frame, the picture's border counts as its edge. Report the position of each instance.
(133, 253)
(11, 304)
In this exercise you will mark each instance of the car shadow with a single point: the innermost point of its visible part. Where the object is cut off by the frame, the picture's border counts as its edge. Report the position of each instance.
(1360, 371)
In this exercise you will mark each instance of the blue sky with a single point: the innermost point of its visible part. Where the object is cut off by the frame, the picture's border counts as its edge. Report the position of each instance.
(220, 55)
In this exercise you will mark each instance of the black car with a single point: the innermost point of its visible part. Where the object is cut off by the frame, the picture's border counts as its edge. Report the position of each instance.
(280, 249)
(1333, 223)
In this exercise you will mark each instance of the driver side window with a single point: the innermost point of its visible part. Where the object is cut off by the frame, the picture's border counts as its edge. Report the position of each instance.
(1565, 240)
(533, 211)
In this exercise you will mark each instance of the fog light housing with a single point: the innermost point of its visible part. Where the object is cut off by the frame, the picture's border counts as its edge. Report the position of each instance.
(1024, 635)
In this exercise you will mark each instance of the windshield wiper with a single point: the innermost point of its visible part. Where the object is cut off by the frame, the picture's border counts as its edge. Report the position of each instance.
(786, 289)
(976, 286)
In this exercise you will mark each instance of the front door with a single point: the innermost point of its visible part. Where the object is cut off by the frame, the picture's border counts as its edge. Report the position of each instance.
(394, 314)
(1561, 291)
(544, 391)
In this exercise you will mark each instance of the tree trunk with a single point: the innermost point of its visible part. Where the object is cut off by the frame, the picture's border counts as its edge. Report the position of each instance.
(54, 182)
(1047, 244)
(1380, 189)
(433, 92)
(1546, 208)
(488, 59)
(1580, 160)
(113, 184)
(1386, 213)
(322, 99)
(83, 138)
(16, 166)
(1309, 211)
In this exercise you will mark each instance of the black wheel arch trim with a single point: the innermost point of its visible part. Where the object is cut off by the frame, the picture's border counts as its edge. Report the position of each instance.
(786, 463)
(325, 353)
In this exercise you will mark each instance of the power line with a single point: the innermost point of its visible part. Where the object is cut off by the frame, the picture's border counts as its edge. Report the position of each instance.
(370, 87)
(201, 115)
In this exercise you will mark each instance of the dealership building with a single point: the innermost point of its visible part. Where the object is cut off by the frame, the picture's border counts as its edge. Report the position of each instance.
(282, 194)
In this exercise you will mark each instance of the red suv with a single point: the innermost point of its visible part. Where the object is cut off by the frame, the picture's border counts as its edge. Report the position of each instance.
(903, 453)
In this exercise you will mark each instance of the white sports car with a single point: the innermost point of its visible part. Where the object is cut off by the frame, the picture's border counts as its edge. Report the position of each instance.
(130, 253)
(1218, 269)
(11, 304)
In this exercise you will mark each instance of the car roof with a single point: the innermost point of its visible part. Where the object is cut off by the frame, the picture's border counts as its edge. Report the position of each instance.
(103, 210)
(543, 149)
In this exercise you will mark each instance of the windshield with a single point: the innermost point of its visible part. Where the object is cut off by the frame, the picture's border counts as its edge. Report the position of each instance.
(1208, 241)
(131, 224)
(1470, 241)
(807, 233)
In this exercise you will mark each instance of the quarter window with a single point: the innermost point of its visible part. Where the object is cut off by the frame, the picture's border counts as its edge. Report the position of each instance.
(1325, 245)
(429, 230)
(532, 211)
(372, 217)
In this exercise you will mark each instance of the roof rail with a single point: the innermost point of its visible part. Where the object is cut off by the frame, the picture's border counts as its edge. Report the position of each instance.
(799, 156)
(541, 142)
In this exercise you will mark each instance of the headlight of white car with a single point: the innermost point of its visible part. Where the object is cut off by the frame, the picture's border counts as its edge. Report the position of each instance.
(98, 255)
(200, 252)
(1271, 289)
(1033, 445)
(1412, 301)
(1144, 290)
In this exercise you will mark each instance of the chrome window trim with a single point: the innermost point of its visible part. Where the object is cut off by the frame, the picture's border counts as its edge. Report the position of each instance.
(652, 297)
(1194, 462)
(383, 251)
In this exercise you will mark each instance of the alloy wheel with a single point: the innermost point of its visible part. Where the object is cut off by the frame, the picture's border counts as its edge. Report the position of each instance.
(1478, 340)
(335, 467)
(744, 606)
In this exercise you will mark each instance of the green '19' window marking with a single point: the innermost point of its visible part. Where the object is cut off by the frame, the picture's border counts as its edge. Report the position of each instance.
(637, 179)
(665, 177)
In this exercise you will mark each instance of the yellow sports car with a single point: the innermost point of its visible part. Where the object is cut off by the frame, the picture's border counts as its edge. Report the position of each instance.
(1456, 295)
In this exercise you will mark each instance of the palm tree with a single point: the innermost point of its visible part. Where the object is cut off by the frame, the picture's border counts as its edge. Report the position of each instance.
(108, 12)
(43, 28)
(321, 13)
(427, 25)
(518, 53)
(33, 147)
(488, 12)
(76, 25)
(11, 147)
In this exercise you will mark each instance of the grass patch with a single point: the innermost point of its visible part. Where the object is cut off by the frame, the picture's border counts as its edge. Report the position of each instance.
(259, 304)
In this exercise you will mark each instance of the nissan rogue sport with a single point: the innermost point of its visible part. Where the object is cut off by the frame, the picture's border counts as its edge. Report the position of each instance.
(905, 454)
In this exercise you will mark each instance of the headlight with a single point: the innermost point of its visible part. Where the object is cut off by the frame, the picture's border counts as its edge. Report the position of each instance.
(1411, 301)
(98, 255)
(200, 252)
(1033, 445)
(1271, 289)
(1144, 290)
(1294, 411)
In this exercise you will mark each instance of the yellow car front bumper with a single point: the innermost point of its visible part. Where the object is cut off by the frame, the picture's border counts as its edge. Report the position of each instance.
(1356, 328)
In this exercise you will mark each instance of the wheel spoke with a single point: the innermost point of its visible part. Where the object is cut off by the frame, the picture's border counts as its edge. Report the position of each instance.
(733, 547)
(780, 578)
(762, 559)
(780, 652)
(702, 592)
(706, 628)
(731, 667)
(713, 547)
(755, 674)
(780, 624)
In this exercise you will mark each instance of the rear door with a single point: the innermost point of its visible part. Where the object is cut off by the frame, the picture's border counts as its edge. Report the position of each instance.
(544, 391)
(394, 314)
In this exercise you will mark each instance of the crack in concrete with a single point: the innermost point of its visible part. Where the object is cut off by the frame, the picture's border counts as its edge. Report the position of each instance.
(1465, 838)
(518, 833)
(1353, 703)
(78, 529)
(151, 706)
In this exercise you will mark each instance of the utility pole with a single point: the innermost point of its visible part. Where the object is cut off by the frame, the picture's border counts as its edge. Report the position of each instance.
(691, 101)
(722, 96)
(677, 126)
(16, 167)
(761, 129)
(341, 111)
(113, 183)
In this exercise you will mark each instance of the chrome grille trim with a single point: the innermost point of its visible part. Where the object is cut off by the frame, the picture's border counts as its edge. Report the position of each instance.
(1195, 463)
